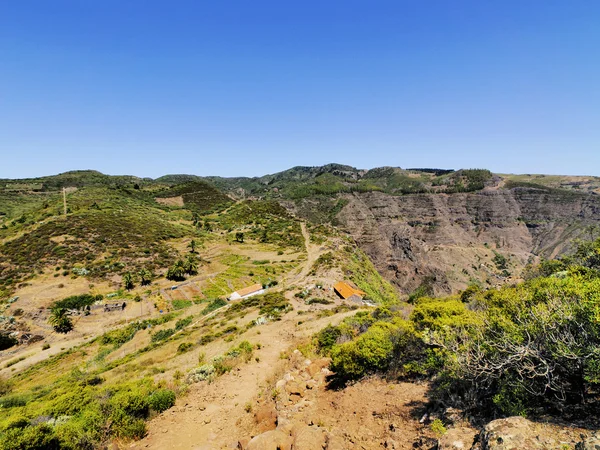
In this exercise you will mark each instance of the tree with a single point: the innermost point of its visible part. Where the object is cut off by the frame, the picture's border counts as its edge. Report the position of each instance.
(128, 281)
(145, 277)
(239, 237)
(177, 271)
(60, 320)
(192, 246)
(191, 265)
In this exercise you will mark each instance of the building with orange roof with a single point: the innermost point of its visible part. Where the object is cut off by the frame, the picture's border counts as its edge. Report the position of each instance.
(348, 290)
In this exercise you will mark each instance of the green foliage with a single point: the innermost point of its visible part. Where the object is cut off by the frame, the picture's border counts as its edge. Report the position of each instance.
(39, 437)
(181, 304)
(234, 356)
(362, 272)
(500, 261)
(162, 335)
(161, 400)
(327, 337)
(128, 281)
(214, 305)
(122, 335)
(198, 196)
(182, 323)
(371, 352)
(467, 180)
(184, 347)
(76, 301)
(438, 428)
(177, 271)
(60, 320)
(86, 415)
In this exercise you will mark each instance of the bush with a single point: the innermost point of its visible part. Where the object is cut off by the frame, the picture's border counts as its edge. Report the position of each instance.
(131, 402)
(161, 400)
(162, 335)
(372, 351)
(213, 305)
(327, 337)
(184, 347)
(39, 437)
(182, 323)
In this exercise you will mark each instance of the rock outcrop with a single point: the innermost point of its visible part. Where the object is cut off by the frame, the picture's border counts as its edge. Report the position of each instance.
(520, 433)
(448, 240)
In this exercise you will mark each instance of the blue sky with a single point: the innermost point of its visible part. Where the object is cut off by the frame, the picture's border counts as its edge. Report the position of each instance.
(231, 88)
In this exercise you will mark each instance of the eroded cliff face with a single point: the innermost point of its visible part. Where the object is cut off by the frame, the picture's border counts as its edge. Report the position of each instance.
(449, 241)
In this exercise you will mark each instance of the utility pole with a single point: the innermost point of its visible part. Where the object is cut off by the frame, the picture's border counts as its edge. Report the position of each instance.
(64, 200)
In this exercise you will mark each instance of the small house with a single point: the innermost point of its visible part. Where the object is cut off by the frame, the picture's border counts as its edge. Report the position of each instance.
(255, 289)
(348, 291)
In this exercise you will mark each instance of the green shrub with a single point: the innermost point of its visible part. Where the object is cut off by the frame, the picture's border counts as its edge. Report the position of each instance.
(182, 323)
(371, 352)
(131, 402)
(14, 401)
(184, 347)
(161, 400)
(162, 335)
(213, 305)
(327, 337)
(39, 437)
(181, 304)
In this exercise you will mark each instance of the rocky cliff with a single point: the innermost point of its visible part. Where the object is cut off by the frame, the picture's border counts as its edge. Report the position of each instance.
(444, 242)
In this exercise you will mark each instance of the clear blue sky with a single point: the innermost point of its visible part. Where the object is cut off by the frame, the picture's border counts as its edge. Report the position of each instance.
(224, 87)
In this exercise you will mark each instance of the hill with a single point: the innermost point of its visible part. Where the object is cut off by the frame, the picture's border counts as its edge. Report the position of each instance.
(115, 325)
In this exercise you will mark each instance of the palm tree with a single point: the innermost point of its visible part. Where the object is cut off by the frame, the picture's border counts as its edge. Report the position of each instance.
(128, 281)
(60, 320)
(145, 277)
(191, 265)
(177, 271)
(192, 246)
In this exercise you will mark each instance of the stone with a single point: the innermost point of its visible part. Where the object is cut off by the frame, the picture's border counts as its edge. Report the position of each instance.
(309, 438)
(336, 443)
(511, 433)
(590, 443)
(288, 377)
(313, 369)
(266, 418)
(271, 440)
(294, 388)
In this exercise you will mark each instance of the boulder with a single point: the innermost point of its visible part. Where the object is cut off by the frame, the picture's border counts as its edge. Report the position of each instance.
(591, 443)
(336, 443)
(271, 440)
(515, 433)
(266, 418)
(309, 438)
(294, 388)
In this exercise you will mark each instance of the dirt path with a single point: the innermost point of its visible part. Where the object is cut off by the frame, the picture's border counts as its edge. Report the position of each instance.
(312, 253)
(211, 414)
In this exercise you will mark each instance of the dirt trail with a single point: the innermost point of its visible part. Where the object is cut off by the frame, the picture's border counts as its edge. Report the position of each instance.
(210, 416)
(312, 253)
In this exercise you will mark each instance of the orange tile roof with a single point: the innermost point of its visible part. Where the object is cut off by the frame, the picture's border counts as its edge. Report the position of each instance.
(249, 289)
(346, 291)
